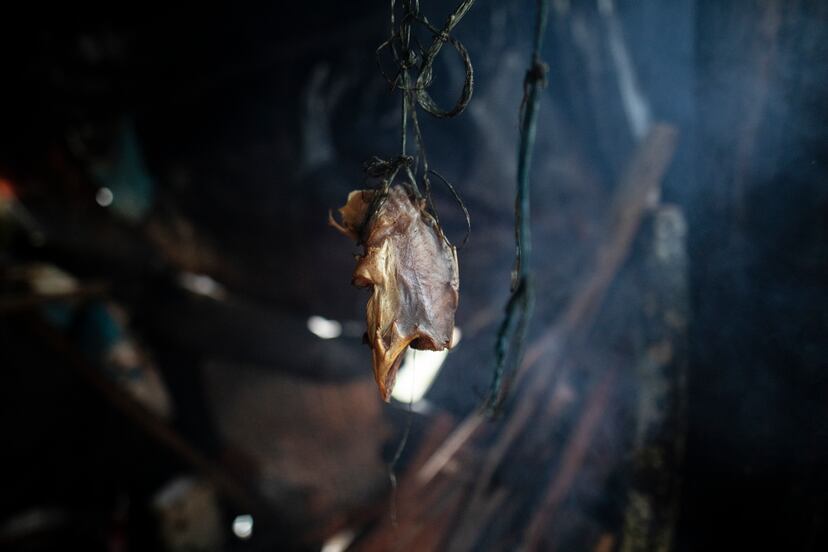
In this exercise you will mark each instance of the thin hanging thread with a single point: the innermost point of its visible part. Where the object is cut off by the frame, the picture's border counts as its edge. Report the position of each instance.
(511, 335)
(410, 57)
(392, 466)
(413, 76)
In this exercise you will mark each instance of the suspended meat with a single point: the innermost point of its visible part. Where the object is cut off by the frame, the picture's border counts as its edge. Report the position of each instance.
(413, 271)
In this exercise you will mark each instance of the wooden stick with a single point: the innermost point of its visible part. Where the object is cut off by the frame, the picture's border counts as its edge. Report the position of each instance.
(25, 302)
(571, 460)
(413, 497)
(661, 364)
(449, 448)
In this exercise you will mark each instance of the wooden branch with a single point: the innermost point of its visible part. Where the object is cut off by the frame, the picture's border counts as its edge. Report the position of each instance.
(415, 500)
(652, 500)
(763, 61)
(571, 460)
(25, 302)
(637, 191)
(438, 460)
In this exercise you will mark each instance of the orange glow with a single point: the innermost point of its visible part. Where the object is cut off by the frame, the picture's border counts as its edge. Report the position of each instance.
(6, 190)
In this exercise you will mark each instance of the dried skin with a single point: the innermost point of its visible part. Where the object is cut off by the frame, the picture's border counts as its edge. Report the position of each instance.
(413, 271)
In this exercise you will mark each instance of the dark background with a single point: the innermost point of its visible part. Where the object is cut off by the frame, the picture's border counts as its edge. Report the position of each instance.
(251, 122)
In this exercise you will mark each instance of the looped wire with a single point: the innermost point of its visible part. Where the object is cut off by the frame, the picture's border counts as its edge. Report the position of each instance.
(412, 76)
(424, 99)
(407, 58)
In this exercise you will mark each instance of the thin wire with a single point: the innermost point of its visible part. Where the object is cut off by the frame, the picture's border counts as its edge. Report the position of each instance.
(392, 476)
(511, 335)
(415, 95)
(459, 202)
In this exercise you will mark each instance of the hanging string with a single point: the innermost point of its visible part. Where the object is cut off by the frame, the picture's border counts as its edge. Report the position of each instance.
(413, 76)
(511, 335)
(392, 466)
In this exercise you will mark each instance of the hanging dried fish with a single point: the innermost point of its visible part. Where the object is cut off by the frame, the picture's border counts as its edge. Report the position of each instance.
(413, 271)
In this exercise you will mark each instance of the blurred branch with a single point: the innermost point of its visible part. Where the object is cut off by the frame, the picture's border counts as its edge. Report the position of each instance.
(571, 459)
(661, 365)
(25, 302)
(636, 106)
(763, 59)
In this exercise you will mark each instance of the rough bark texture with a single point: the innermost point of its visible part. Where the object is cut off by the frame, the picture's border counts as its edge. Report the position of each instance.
(660, 430)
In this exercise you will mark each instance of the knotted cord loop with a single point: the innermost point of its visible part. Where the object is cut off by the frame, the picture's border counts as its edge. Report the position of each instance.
(407, 57)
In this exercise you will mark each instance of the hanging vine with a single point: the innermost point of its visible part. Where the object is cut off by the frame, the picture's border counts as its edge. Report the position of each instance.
(511, 335)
